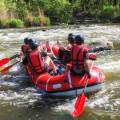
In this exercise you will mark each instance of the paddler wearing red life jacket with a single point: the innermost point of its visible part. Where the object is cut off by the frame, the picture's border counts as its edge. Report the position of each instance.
(35, 59)
(63, 53)
(52, 49)
(79, 56)
(25, 46)
(25, 50)
(71, 41)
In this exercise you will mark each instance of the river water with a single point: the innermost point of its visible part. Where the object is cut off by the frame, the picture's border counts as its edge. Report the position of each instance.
(18, 99)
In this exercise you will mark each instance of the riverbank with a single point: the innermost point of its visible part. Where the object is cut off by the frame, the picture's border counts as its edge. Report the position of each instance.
(85, 22)
(94, 20)
(75, 22)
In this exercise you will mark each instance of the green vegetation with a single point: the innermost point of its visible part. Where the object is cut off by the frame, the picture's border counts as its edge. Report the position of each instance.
(20, 13)
(37, 21)
(15, 23)
(12, 23)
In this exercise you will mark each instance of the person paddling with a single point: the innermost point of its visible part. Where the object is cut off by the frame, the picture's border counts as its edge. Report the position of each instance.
(25, 46)
(35, 59)
(63, 53)
(71, 40)
(79, 56)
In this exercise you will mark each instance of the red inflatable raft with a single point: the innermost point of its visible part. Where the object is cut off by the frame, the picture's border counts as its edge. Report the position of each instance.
(67, 84)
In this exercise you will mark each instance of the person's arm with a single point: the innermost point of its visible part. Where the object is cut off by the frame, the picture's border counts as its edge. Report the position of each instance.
(45, 54)
(87, 69)
(61, 53)
(86, 64)
(98, 49)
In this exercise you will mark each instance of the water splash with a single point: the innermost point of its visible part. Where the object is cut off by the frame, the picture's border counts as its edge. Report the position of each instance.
(108, 99)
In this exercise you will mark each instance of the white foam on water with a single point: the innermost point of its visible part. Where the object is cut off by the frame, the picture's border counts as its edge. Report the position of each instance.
(10, 84)
(113, 66)
(2, 55)
(101, 33)
(98, 102)
(108, 99)
(18, 98)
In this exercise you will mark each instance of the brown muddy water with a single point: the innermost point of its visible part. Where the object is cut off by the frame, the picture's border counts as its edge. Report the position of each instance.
(18, 100)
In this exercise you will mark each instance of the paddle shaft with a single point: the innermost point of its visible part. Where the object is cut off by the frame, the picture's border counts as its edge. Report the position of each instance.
(80, 102)
(14, 56)
(8, 68)
(6, 60)
(52, 50)
(88, 78)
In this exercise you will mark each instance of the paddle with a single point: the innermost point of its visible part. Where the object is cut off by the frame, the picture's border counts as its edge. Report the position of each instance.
(80, 102)
(50, 47)
(6, 69)
(7, 59)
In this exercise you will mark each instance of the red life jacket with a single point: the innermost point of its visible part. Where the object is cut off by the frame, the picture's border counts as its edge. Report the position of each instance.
(48, 48)
(24, 48)
(78, 54)
(55, 50)
(36, 61)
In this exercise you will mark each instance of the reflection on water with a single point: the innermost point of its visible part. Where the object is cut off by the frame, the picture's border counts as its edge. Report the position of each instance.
(18, 99)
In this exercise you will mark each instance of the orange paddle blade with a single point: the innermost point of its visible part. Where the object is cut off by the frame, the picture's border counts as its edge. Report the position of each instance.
(79, 105)
(4, 61)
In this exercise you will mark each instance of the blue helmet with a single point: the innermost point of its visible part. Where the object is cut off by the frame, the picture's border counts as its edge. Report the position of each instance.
(32, 44)
(26, 40)
(71, 38)
(70, 34)
(79, 39)
(30, 41)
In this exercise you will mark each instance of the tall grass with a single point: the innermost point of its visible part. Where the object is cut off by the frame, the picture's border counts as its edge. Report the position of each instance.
(12, 23)
(15, 23)
(37, 21)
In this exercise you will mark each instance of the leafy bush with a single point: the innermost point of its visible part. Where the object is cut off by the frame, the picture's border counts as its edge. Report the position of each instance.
(77, 5)
(15, 23)
(44, 20)
(108, 11)
(28, 21)
(116, 19)
(59, 11)
(3, 23)
(37, 21)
